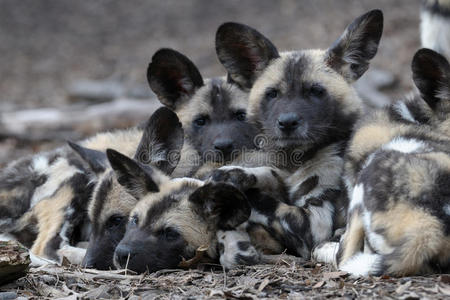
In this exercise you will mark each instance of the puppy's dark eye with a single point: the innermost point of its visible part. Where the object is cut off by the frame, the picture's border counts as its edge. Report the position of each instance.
(170, 234)
(115, 220)
(201, 121)
(241, 115)
(317, 90)
(272, 94)
(134, 220)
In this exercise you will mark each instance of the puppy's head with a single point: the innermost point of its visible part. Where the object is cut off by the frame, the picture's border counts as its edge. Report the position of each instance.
(301, 98)
(213, 112)
(111, 203)
(173, 217)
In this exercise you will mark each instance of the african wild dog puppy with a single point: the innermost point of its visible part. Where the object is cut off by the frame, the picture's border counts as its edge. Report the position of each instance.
(305, 105)
(213, 111)
(435, 26)
(213, 115)
(160, 146)
(174, 217)
(398, 169)
(43, 198)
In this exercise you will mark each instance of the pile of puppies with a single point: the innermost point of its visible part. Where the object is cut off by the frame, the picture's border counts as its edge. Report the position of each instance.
(280, 155)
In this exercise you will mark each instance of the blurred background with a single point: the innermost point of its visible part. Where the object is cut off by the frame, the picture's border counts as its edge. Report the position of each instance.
(71, 68)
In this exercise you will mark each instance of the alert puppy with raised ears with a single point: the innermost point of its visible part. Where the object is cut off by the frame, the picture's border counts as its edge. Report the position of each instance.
(304, 104)
(398, 169)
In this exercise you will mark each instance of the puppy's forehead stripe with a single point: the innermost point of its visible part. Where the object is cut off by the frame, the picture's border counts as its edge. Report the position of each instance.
(166, 203)
(158, 209)
(294, 71)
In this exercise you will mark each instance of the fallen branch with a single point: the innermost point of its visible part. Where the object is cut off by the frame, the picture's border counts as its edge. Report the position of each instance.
(74, 121)
(14, 261)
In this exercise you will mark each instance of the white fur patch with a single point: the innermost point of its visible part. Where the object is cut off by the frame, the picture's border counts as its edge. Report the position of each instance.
(403, 110)
(6, 237)
(230, 240)
(377, 241)
(368, 160)
(405, 145)
(357, 196)
(286, 226)
(259, 218)
(73, 254)
(326, 253)
(362, 264)
(435, 32)
(321, 220)
(57, 173)
(63, 232)
(40, 164)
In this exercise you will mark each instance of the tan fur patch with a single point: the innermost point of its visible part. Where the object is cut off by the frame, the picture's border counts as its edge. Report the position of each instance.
(263, 241)
(124, 141)
(418, 235)
(353, 238)
(50, 216)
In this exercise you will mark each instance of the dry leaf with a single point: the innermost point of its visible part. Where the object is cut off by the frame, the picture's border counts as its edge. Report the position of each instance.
(65, 262)
(199, 253)
(445, 279)
(263, 284)
(334, 275)
(401, 289)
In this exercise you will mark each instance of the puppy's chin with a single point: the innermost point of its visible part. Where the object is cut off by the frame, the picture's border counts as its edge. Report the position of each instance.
(218, 157)
(291, 142)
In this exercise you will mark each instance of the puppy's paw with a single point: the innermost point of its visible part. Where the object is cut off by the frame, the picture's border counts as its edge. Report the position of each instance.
(236, 176)
(236, 249)
(326, 252)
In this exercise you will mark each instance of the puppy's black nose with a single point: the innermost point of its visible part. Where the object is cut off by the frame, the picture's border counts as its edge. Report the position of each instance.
(124, 254)
(224, 145)
(288, 121)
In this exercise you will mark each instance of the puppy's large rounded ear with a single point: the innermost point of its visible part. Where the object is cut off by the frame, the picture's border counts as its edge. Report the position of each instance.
(96, 160)
(431, 75)
(136, 178)
(244, 52)
(162, 141)
(222, 204)
(173, 77)
(351, 53)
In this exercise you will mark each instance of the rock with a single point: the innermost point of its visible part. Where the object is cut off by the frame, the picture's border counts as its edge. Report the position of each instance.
(14, 261)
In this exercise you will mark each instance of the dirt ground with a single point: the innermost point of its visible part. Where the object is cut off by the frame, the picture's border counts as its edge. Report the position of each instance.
(284, 280)
(46, 45)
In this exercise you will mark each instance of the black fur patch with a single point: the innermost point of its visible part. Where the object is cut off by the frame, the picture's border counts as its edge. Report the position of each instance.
(172, 76)
(100, 197)
(244, 52)
(243, 245)
(158, 209)
(306, 186)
